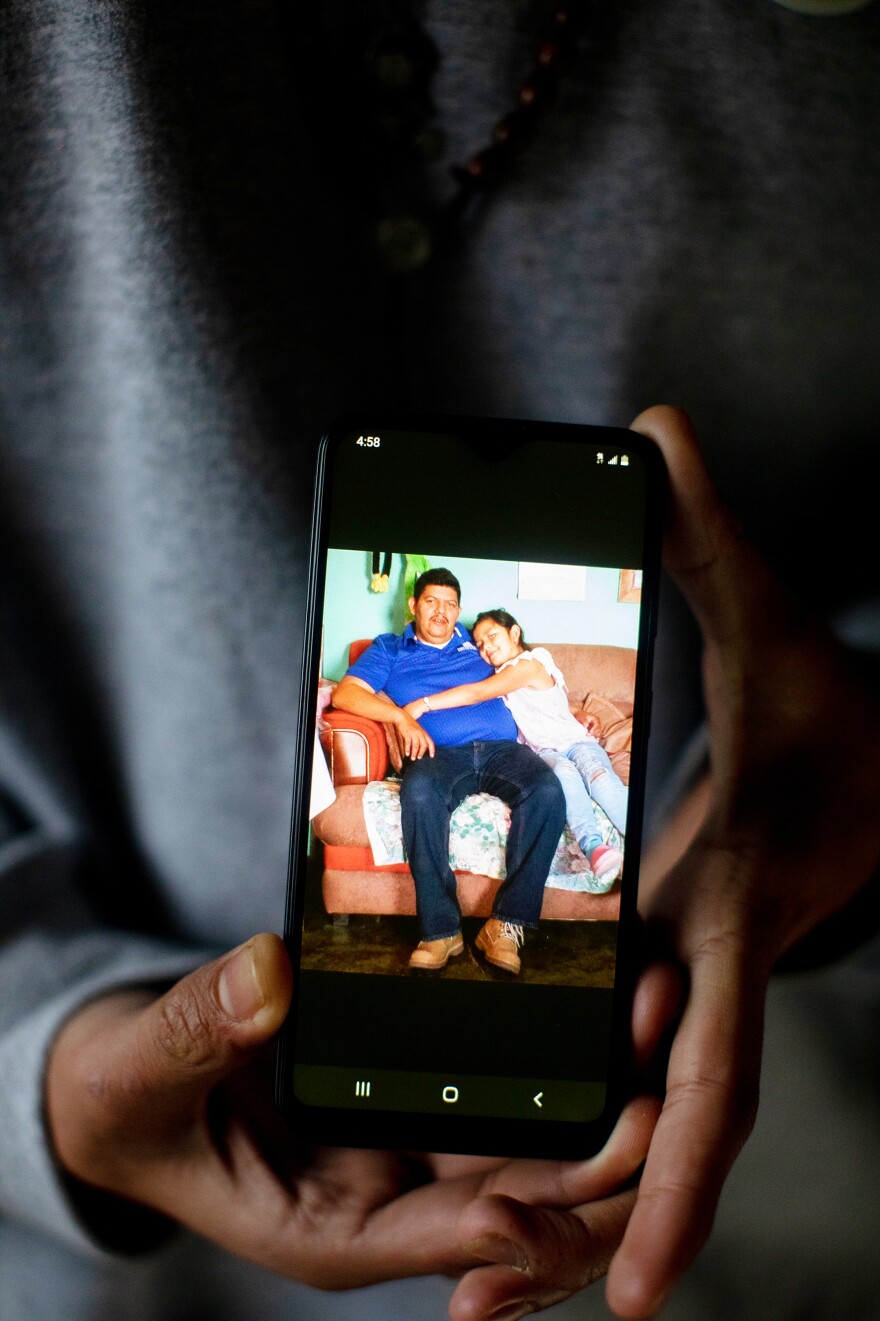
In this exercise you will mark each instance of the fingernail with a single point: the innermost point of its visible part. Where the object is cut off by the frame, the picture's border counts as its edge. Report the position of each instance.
(238, 989)
(497, 1248)
(513, 1311)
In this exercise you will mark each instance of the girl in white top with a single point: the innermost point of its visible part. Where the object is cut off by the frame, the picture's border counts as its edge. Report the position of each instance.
(533, 688)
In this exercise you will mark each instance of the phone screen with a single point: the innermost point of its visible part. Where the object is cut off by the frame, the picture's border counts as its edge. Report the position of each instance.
(446, 555)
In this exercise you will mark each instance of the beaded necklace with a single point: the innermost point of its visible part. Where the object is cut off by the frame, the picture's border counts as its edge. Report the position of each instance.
(382, 77)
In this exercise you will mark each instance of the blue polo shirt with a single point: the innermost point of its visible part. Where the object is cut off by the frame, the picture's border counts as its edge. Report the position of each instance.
(406, 668)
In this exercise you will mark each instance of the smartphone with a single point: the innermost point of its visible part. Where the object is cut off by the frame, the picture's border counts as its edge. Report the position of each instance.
(464, 859)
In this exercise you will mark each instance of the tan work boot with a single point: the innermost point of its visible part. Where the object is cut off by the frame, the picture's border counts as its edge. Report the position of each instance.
(432, 955)
(499, 942)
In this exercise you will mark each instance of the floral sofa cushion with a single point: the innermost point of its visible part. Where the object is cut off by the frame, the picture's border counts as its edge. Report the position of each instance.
(477, 837)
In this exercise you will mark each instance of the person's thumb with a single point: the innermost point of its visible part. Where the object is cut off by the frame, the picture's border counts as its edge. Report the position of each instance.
(722, 577)
(208, 1025)
(130, 1074)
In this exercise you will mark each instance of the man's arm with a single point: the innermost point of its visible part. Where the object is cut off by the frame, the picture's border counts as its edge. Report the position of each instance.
(357, 697)
(59, 948)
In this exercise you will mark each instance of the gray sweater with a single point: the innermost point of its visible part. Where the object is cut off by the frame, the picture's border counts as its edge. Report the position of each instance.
(187, 297)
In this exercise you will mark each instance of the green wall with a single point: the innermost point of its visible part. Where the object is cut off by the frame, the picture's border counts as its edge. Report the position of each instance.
(352, 610)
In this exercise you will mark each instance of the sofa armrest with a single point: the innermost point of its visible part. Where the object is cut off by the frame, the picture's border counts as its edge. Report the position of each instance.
(355, 747)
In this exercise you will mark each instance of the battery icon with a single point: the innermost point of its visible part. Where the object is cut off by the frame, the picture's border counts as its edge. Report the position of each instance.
(624, 460)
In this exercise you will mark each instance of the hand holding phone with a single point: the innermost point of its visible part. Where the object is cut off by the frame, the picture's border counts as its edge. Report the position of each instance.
(182, 1124)
(744, 870)
(112, 1136)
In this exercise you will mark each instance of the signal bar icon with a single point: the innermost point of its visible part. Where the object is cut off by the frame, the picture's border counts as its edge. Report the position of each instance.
(362, 1089)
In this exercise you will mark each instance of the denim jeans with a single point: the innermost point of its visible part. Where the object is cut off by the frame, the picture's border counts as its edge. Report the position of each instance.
(431, 790)
(587, 776)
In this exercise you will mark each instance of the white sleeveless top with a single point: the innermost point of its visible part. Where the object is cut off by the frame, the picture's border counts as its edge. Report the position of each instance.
(542, 715)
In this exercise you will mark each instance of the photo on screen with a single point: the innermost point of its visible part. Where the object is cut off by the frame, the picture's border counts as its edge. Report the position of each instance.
(580, 625)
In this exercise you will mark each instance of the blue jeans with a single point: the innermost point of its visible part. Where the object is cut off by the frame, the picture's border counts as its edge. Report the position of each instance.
(587, 776)
(431, 790)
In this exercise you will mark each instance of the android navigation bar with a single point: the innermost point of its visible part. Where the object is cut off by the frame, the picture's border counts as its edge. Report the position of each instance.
(468, 1094)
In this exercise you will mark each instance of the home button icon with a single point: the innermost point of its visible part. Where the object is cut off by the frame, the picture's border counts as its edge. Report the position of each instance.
(450, 1095)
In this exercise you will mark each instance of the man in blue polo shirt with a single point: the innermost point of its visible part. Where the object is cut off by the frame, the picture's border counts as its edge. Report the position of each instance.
(448, 755)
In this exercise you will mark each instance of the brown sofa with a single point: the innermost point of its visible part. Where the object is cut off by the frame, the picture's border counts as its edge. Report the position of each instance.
(600, 683)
